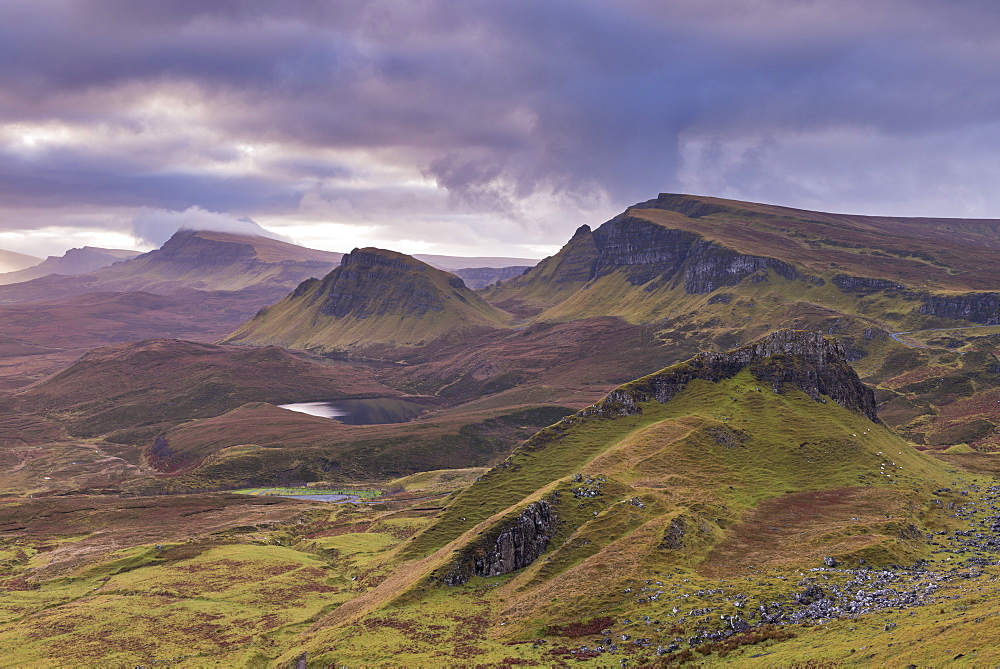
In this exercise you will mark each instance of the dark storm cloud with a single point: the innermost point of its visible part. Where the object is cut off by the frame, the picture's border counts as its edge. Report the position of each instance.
(500, 101)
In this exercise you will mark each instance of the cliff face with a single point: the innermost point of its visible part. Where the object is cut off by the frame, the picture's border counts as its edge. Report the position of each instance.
(647, 252)
(976, 307)
(808, 361)
(864, 285)
(509, 547)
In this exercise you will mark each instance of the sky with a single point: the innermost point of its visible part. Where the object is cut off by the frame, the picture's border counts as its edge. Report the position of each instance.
(481, 127)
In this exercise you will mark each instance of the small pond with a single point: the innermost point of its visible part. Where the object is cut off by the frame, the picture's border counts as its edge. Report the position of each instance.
(362, 412)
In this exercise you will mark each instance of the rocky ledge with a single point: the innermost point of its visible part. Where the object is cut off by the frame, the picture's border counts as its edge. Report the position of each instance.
(510, 546)
(975, 307)
(808, 361)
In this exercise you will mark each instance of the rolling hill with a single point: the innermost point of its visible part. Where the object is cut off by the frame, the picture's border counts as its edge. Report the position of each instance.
(152, 384)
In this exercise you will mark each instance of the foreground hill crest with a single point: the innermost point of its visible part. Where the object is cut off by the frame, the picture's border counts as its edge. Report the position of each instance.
(808, 361)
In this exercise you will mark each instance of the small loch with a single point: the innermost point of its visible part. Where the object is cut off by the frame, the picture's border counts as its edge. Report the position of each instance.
(376, 411)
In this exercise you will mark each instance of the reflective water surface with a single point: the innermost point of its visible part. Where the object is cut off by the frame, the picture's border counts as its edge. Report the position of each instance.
(362, 412)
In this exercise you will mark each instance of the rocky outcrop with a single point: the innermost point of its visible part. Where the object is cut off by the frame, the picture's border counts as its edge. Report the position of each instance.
(373, 258)
(369, 283)
(511, 546)
(864, 285)
(712, 266)
(808, 361)
(975, 307)
(648, 253)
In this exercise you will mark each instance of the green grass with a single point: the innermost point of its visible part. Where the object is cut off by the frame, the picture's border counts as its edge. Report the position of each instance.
(797, 444)
(363, 494)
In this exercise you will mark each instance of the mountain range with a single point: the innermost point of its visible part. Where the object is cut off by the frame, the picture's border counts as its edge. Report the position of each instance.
(704, 431)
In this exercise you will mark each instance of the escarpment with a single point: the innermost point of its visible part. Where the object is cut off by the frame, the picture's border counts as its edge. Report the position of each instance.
(511, 546)
(975, 307)
(808, 361)
(647, 252)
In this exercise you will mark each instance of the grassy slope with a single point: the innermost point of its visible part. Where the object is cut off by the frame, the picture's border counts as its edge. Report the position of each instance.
(230, 580)
(158, 382)
(392, 313)
(943, 254)
(669, 460)
(259, 444)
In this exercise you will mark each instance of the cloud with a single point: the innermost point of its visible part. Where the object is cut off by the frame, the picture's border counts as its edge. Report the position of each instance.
(510, 120)
(157, 225)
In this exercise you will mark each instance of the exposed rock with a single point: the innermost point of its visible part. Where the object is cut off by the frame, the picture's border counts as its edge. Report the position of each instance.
(511, 546)
(808, 361)
(859, 284)
(673, 538)
(712, 266)
(721, 298)
(975, 307)
(648, 253)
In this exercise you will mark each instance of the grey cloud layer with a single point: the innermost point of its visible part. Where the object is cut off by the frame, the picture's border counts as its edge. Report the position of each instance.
(497, 102)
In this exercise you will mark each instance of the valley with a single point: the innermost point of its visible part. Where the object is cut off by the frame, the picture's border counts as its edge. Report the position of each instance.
(705, 431)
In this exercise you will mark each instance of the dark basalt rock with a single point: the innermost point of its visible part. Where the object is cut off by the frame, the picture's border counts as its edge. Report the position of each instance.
(645, 250)
(975, 307)
(359, 257)
(373, 284)
(712, 266)
(814, 364)
(513, 545)
(860, 284)
(673, 537)
(648, 253)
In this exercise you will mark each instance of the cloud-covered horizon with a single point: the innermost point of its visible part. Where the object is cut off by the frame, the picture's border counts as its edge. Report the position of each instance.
(471, 126)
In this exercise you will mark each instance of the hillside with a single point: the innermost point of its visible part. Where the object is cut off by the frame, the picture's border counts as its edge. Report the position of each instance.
(752, 485)
(674, 276)
(374, 297)
(480, 277)
(191, 260)
(12, 261)
(678, 253)
(74, 261)
(149, 385)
